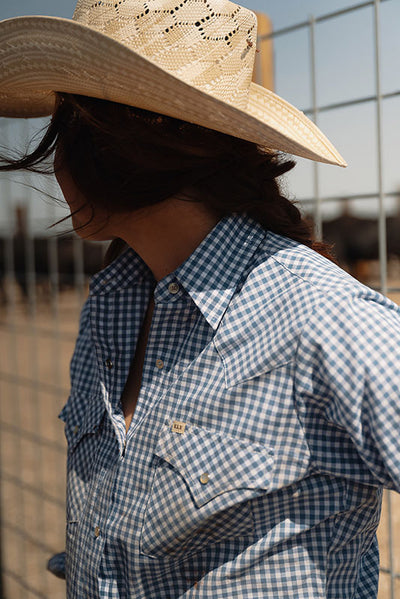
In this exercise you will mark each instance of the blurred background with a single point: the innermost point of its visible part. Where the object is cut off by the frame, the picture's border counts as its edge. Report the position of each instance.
(337, 60)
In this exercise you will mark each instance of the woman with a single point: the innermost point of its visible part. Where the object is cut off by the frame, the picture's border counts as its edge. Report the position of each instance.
(234, 409)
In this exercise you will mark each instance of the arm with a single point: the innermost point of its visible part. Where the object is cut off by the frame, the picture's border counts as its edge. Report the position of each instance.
(348, 376)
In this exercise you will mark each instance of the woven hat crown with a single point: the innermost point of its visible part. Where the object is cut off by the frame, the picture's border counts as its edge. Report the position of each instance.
(188, 59)
(209, 44)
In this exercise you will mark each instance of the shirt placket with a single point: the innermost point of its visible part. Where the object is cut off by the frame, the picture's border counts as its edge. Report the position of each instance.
(160, 356)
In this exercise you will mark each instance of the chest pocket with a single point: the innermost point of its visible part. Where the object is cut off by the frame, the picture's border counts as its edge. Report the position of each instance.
(83, 420)
(201, 491)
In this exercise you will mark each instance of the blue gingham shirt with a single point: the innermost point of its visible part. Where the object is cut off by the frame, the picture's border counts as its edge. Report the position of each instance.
(267, 424)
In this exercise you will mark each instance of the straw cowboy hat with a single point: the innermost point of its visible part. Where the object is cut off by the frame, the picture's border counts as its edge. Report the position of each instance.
(189, 59)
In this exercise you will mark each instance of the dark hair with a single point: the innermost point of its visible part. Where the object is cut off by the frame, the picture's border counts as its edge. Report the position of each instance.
(125, 158)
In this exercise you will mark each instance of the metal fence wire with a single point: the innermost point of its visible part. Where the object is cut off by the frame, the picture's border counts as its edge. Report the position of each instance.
(43, 282)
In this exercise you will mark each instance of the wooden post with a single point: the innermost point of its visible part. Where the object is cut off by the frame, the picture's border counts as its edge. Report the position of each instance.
(263, 73)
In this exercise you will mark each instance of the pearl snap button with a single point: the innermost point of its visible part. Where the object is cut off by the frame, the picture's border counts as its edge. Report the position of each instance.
(173, 288)
(204, 478)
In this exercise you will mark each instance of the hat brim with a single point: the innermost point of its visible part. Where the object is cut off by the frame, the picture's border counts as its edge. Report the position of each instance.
(40, 55)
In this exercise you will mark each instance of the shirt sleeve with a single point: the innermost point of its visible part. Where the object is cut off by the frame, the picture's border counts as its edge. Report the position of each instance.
(348, 387)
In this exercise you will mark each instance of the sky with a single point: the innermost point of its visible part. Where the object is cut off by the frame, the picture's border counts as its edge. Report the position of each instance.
(345, 70)
(281, 12)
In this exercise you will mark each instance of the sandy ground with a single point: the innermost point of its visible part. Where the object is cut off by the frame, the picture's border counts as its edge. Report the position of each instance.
(34, 358)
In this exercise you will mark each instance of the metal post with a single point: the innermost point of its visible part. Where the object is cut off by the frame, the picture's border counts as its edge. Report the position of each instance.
(382, 241)
(382, 215)
(317, 196)
(13, 352)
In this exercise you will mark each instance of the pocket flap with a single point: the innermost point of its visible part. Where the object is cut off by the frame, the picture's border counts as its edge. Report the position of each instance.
(84, 416)
(213, 464)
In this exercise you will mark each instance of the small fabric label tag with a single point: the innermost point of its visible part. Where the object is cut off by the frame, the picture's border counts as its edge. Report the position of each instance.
(178, 427)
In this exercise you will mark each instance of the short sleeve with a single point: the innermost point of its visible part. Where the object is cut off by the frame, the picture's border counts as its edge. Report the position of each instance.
(348, 388)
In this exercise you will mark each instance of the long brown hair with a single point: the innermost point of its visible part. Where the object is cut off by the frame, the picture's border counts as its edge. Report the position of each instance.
(123, 158)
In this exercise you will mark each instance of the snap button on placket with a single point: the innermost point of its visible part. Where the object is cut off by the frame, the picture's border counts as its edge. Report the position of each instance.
(109, 363)
(159, 364)
(173, 288)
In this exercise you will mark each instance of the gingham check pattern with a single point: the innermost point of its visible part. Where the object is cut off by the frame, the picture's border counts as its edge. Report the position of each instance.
(255, 461)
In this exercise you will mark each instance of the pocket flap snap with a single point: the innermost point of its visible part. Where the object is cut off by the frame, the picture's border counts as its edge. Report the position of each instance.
(84, 417)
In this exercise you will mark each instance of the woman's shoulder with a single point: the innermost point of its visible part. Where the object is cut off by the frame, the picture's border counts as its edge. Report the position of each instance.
(285, 266)
(291, 292)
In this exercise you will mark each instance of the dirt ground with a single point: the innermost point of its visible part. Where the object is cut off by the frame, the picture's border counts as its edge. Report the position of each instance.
(34, 358)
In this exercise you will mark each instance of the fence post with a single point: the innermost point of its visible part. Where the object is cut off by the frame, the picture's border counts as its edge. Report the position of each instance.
(313, 69)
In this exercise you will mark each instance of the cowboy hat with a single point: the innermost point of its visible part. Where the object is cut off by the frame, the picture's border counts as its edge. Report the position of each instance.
(189, 59)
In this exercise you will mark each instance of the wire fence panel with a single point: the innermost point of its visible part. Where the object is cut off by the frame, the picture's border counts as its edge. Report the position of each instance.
(43, 283)
(382, 224)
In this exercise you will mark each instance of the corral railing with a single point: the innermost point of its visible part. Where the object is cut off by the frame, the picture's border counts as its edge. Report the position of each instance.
(43, 280)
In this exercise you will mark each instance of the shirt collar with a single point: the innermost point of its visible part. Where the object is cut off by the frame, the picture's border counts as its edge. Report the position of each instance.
(213, 272)
(210, 276)
(127, 270)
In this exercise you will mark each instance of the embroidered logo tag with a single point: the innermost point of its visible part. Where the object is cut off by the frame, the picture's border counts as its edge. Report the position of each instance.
(178, 427)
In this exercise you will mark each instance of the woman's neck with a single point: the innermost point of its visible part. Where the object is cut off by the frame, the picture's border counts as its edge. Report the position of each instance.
(166, 234)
